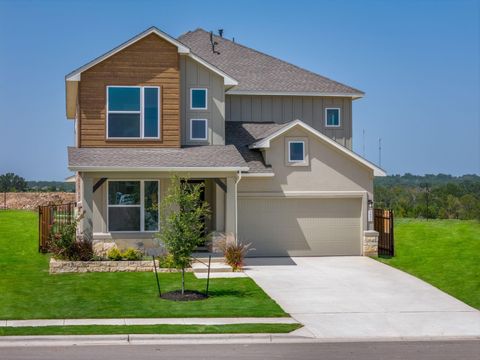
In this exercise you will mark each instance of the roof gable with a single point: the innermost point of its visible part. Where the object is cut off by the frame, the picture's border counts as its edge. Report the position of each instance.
(264, 143)
(75, 75)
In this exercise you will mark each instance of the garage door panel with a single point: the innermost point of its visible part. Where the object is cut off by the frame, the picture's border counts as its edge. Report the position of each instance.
(300, 227)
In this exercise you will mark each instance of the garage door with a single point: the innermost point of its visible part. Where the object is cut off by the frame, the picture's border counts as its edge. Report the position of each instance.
(300, 227)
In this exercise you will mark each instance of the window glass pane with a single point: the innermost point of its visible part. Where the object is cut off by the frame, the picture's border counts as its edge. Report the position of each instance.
(333, 117)
(199, 98)
(123, 99)
(124, 192)
(199, 129)
(151, 112)
(124, 218)
(151, 205)
(124, 125)
(296, 151)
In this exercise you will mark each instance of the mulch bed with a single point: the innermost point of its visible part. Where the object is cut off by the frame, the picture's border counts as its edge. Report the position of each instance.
(188, 295)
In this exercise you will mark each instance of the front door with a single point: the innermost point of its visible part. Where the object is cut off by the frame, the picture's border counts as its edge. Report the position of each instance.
(202, 247)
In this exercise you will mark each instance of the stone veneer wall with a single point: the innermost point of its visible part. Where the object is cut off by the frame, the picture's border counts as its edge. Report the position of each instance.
(62, 266)
(370, 243)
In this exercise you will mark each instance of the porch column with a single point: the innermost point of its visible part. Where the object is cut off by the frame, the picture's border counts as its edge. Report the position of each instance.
(86, 225)
(231, 206)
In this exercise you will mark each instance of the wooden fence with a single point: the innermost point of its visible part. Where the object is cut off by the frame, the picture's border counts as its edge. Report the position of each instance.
(383, 223)
(51, 218)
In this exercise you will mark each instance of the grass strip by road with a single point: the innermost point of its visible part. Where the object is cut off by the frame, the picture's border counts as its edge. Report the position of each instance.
(27, 291)
(444, 253)
(149, 329)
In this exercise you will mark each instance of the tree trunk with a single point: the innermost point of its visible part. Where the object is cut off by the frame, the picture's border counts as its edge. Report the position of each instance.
(183, 280)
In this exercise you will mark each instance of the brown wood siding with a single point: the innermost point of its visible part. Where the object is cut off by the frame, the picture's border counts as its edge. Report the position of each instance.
(151, 61)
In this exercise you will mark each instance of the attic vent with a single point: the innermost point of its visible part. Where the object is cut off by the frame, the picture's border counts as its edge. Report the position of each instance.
(213, 43)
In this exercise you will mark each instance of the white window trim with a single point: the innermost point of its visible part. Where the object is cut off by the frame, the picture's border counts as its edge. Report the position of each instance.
(206, 99)
(141, 206)
(339, 117)
(206, 130)
(289, 155)
(141, 112)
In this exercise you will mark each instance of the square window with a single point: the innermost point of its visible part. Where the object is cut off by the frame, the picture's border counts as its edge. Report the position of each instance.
(296, 151)
(198, 99)
(133, 205)
(332, 117)
(133, 112)
(198, 129)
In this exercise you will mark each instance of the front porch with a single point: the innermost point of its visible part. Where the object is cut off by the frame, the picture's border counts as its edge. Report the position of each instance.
(123, 208)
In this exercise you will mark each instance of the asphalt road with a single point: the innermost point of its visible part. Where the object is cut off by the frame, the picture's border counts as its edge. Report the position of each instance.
(438, 350)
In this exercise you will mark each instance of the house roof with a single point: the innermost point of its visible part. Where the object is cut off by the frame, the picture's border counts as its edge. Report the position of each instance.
(264, 143)
(259, 73)
(242, 135)
(194, 158)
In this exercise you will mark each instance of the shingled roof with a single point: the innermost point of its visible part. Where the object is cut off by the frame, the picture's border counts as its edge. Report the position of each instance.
(213, 157)
(257, 72)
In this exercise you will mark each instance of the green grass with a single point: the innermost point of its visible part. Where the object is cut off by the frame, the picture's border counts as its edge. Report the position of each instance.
(27, 291)
(149, 329)
(444, 253)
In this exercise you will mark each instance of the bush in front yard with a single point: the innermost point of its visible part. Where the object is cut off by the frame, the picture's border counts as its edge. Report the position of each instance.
(132, 254)
(65, 245)
(114, 254)
(234, 254)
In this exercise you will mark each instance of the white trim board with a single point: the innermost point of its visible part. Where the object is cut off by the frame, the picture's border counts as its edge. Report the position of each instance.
(265, 144)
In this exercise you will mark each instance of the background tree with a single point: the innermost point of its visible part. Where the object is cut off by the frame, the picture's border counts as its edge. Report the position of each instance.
(183, 215)
(11, 182)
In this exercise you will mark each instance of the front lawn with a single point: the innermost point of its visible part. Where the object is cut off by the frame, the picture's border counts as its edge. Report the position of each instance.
(445, 253)
(149, 329)
(27, 291)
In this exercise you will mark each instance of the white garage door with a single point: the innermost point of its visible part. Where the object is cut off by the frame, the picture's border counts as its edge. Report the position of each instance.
(300, 227)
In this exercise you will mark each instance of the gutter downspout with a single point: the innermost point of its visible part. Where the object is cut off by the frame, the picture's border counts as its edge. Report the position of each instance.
(239, 177)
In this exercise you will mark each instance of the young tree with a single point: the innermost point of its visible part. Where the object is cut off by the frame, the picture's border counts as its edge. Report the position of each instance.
(183, 215)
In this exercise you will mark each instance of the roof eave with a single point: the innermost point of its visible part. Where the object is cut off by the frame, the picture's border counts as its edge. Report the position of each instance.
(161, 168)
(354, 96)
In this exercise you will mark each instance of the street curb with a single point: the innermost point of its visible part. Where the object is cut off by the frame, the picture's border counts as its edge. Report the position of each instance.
(156, 339)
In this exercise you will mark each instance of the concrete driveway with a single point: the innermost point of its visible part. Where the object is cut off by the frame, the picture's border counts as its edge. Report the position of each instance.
(360, 298)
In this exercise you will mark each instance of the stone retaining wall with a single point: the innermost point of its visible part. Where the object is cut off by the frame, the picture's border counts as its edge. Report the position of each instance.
(62, 266)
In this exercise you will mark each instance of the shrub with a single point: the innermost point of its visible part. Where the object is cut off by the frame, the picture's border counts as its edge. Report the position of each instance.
(234, 254)
(114, 254)
(167, 261)
(65, 245)
(132, 254)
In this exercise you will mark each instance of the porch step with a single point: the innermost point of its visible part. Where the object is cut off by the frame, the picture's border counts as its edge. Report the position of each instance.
(204, 258)
(215, 267)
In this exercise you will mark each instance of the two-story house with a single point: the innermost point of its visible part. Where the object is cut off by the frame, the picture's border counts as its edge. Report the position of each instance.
(271, 141)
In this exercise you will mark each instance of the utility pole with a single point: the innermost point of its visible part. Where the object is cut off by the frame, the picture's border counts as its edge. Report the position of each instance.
(380, 152)
(427, 199)
(363, 145)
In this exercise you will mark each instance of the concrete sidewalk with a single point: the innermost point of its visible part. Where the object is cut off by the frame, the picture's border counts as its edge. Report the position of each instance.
(148, 321)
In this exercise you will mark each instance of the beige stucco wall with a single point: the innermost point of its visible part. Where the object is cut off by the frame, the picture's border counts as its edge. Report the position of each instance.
(195, 75)
(328, 169)
(282, 109)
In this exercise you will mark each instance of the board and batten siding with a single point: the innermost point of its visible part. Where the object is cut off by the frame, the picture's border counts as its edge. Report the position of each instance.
(151, 61)
(282, 109)
(195, 75)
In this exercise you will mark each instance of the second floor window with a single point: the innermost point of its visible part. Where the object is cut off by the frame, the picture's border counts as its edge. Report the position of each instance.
(332, 117)
(198, 99)
(133, 112)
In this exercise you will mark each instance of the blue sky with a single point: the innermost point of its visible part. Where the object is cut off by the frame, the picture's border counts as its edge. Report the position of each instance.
(417, 61)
